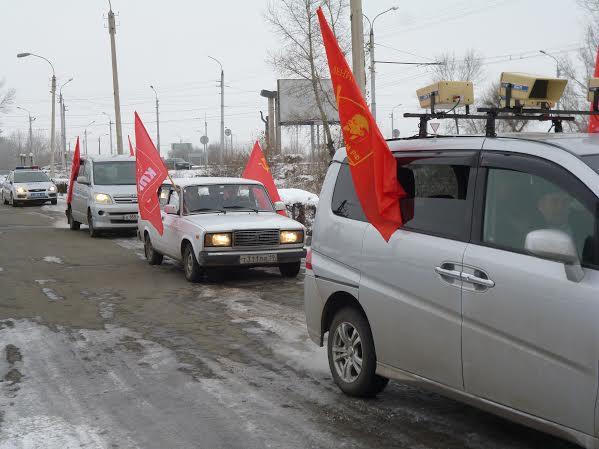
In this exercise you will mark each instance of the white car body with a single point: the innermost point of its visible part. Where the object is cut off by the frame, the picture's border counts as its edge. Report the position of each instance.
(15, 192)
(181, 229)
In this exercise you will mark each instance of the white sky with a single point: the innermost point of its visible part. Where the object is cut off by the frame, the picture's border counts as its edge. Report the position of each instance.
(167, 43)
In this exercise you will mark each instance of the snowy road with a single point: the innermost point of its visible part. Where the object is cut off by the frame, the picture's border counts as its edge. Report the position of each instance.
(100, 350)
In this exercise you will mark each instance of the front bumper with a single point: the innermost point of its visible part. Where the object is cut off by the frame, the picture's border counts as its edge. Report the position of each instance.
(232, 258)
(112, 216)
(33, 198)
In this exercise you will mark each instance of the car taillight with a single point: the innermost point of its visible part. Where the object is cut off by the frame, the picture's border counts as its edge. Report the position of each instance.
(309, 259)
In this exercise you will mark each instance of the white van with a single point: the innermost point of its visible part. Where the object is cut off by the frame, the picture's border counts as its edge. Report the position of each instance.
(104, 194)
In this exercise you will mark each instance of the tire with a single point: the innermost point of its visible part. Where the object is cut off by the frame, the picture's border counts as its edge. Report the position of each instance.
(73, 224)
(353, 378)
(4, 200)
(191, 267)
(290, 270)
(93, 232)
(13, 203)
(153, 257)
(54, 202)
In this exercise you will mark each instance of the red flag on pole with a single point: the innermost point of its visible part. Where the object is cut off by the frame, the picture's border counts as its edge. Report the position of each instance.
(131, 152)
(74, 171)
(257, 169)
(372, 165)
(594, 119)
(150, 173)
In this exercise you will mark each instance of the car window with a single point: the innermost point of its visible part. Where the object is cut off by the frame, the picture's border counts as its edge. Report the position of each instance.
(436, 201)
(517, 203)
(345, 202)
(174, 197)
(114, 173)
(226, 197)
(163, 195)
(592, 161)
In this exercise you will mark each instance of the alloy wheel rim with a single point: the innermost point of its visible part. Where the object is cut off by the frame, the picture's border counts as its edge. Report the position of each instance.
(189, 265)
(347, 352)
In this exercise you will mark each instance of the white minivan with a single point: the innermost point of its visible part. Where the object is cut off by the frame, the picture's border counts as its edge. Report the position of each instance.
(104, 194)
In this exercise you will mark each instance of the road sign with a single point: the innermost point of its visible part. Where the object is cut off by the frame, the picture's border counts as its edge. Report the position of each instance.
(435, 127)
(396, 133)
(227, 132)
(204, 140)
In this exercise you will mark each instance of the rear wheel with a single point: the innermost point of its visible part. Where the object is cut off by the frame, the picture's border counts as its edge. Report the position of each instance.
(152, 256)
(192, 269)
(93, 232)
(290, 270)
(73, 224)
(352, 357)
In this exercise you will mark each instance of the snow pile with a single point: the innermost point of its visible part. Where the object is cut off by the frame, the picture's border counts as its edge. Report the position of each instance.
(2, 179)
(298, 196)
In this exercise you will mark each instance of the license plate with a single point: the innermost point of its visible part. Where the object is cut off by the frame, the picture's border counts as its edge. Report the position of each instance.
(38, 195)
(130, 217)
(258, 258)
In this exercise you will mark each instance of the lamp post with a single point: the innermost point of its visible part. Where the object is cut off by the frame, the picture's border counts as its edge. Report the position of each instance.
(99, 142)
(85, 133)
(157, 120)
(109, 129)
(372, 62)
(115, 80)
(53, 117)
(63, 127)
(31, 120)
(392, 118)
(222, 109)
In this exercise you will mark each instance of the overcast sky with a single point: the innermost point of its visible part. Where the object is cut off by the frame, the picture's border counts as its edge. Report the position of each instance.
(167, 43)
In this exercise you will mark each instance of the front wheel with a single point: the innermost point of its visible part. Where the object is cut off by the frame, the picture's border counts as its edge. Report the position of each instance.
(93, 232)
(192, 269)
(152, 256)
(54, 202)
(13, 202)
(352, 357)
(73, 224)
(290, 270)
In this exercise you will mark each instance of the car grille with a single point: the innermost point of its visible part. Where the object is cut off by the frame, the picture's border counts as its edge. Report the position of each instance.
(37, 190)
(132, 199)
(259, 237)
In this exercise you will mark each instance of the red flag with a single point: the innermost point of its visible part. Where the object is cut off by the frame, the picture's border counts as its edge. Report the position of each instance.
(257, 169)
(131, 152)
(594, 119)
(372, 165)
(150, 173)
(74, 171)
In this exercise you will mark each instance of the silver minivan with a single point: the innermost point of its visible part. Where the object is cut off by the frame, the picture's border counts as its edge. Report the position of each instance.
(104, 195)
(489, 293)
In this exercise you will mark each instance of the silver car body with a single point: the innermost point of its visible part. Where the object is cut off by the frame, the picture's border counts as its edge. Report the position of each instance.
(120, 213)
(27, 192)
(505, 331)
(180, 228)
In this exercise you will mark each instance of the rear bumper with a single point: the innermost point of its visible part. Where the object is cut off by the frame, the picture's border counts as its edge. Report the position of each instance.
(232, 258)
(113, 216)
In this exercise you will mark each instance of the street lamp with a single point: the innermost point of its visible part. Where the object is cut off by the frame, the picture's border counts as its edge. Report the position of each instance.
(53, 122)
(372, 63)
(31, 120)
(85, 133)
(63, 127)
(157, 120)
(392, 119)
(222, 108)
(99, 142)
(109, 129)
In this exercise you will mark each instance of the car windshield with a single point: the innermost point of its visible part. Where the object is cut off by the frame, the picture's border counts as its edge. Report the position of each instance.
(31, 176)
(226, 198)
(114, 173)
(592, 161)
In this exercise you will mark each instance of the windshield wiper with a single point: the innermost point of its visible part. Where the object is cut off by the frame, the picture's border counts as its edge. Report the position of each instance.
(238, 207)
(207, 209)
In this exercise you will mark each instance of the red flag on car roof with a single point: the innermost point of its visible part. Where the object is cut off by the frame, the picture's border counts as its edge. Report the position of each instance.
(150, 173)
(373, 167)
(257, 169)
(594, 119)
(74, 171)
(131, 152)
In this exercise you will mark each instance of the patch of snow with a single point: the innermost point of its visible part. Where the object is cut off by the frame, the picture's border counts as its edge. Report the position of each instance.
(53, 259)
(51, 294)
(60, 206)
(293, 196)
(1, 269)
(43, 281)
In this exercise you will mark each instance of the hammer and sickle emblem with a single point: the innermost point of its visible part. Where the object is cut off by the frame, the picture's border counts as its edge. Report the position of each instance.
(264, 164)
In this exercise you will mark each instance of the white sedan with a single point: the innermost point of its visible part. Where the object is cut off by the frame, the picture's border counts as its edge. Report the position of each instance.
(28, 185)
(215, 223)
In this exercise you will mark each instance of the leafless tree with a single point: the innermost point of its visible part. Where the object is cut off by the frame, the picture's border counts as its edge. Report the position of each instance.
(301, 53)
(7, 99)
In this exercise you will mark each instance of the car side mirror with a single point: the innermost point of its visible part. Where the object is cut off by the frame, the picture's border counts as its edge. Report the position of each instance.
(171, 209)
(82, 180)
(280, 206)
(558, 246)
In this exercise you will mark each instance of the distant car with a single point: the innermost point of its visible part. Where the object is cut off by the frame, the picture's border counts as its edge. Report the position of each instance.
(104, 194)
(28, 185)
(212, 223)
(177, 164)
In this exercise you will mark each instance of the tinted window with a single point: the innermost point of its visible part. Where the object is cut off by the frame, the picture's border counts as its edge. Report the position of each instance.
(345, 201)
(592, 161)
(114, 173)
(31, 176)
(436, 200)
(518, 203)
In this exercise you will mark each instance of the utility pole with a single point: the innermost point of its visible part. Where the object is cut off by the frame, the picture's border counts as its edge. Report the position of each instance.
(357, 43)
(85, 133)
(109, 130)
(31, 120)
(63, 127)
(115, 81)
(222, 109)
(157, 121)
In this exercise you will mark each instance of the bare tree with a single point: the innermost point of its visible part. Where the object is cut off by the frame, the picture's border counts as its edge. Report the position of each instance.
(7, 99)
(301, 53)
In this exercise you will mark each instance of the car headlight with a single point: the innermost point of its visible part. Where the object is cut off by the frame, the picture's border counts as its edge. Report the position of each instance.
(102, 198)
(287, 237)
(21, 190)
(220, 239)
(52, 189)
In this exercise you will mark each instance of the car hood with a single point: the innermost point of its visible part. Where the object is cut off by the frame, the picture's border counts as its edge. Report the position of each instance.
(116, 190)
(233, 221)
(34, 185)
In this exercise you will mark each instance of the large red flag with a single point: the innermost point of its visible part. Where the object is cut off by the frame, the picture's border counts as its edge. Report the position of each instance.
(257, 169)
(74, 171)
(373, 167)
(594, 119)
(131, 152)
(150, 174)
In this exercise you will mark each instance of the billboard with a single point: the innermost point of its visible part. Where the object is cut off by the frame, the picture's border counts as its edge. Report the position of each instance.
(297, 102)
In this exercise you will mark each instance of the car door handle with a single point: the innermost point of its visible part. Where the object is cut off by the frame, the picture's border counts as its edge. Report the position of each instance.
(454, 274)
(488, 283)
